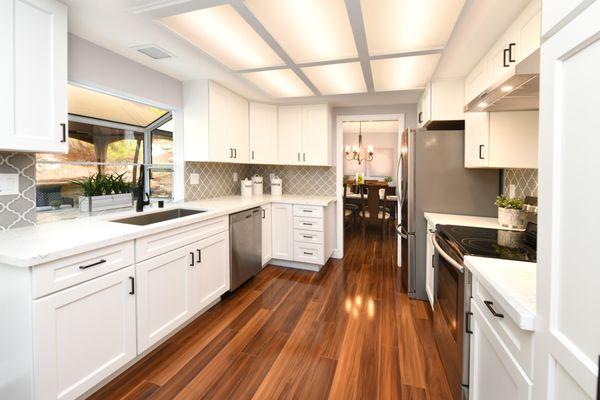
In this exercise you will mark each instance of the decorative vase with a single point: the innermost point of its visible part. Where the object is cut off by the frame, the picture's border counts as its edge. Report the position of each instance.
(107, 202)
(510, 218)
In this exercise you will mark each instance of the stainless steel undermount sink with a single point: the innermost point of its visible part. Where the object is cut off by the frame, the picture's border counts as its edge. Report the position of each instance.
(153, 218)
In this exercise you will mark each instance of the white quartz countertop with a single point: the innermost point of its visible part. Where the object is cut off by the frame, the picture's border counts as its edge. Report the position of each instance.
(512, 283)
(463, 220)
(30, 246)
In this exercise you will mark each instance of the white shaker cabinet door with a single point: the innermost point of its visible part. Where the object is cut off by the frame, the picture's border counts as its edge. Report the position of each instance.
(567, 334)
(163, 302)
(290, 135)
(266, 234)
(238, 129)
(83, 334)
(316, 143)
(33, 76)
(494, 374)
(283, 231)
(477, 139)
(209, 277)
(263, 134)
(221, 148)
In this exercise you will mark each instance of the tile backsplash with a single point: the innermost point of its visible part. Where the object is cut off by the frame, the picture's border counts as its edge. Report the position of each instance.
(216, 179)
(525, 181)
(19, 209)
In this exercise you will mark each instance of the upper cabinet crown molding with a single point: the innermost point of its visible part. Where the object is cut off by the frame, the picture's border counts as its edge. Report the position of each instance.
(33, 105)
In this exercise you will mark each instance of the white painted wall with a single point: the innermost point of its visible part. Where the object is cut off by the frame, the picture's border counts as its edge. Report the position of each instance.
(382, 140)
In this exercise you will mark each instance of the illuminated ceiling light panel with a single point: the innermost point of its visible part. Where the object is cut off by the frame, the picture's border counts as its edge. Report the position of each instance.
(279, 83)
(337, 78)
(223, 34)
(308, 30)
(395, 26)
(403, 73)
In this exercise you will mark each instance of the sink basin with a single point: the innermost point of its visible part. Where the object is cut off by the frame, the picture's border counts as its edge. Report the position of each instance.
(153, 218)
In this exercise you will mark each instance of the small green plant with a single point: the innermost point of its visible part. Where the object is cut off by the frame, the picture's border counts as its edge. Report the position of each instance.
(103, 184)
(505, 202)
(55, 204)
(388, 179)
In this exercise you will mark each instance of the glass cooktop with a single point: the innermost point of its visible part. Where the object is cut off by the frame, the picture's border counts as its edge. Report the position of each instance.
(493, 243)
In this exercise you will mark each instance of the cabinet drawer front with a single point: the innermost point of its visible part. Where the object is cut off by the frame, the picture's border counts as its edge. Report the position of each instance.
(303, 236)
(308, 211)
(309, 224)
(309, 253)
(163, 242)
(70, 271)
(518, 341)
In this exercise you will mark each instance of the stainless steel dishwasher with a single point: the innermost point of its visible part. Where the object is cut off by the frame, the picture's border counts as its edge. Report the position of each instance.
(245, 237)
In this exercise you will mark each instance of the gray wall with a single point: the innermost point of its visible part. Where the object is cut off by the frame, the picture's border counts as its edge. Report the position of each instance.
(94, 66)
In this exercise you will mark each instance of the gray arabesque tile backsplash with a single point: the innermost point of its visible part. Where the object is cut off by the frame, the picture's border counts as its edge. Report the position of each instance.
(18, 210)
(525, 181)
(216, 179)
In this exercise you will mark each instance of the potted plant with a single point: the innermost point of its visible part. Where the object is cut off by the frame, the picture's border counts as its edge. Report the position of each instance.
(55, 204)
(510, 212)
(104, 192)
(388, 179)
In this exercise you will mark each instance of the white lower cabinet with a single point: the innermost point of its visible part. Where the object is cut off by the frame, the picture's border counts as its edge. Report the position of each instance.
(282, 231)
(209, 277)
(83, 334)
(494, 373)
(267, 244)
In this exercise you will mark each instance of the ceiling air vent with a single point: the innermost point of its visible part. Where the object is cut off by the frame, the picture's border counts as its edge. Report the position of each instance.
(153, 51)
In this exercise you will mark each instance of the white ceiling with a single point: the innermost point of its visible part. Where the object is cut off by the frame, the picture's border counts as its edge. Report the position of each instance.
(120, 25)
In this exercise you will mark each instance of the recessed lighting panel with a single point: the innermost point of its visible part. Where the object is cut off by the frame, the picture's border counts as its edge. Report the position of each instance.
(395, 26)
(279, 83)
(225, 35)
(308, 30)
(337, 78)
(403, 73)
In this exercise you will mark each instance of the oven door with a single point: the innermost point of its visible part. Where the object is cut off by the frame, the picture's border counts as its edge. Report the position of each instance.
(452, 308)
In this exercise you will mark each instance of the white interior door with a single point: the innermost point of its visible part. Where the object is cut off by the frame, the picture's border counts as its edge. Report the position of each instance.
(567, 337)
(83, 334)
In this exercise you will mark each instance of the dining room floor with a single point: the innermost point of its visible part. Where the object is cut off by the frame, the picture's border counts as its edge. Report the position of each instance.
(347, 332)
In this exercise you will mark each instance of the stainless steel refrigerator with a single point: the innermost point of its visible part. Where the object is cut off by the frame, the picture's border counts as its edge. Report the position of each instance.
(431, 177)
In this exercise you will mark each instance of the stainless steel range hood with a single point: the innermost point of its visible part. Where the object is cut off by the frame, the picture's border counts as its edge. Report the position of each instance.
(519, 92)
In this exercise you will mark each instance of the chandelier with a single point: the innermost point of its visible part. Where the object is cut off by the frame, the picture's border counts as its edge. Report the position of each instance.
(354, 153)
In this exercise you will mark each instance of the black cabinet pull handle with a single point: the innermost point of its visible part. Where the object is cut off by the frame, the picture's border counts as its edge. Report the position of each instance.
(193, 255)
(298, 156)
(308, 254)
(307, 237)
(132, 283)
(468, 322)
(234, 153)
(307, 223)
(420, 116)
(504, 54)
(264, 213)
(490, 306)
(433, 261)
(199, 255)
(64, 133)
(510, 54)
(253, 154)
(481, 151)
(303, 156)
(92, 265)
(230, 152)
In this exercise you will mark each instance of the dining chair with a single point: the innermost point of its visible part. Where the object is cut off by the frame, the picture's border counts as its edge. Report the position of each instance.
(372, 208)
(350, 210)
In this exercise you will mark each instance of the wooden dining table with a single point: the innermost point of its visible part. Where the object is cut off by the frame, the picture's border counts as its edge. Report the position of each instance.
(391, 200)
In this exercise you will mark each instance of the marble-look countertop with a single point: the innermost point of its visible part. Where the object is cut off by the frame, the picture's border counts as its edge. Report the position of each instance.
(464, 220)
(512, 283)
(34, 245)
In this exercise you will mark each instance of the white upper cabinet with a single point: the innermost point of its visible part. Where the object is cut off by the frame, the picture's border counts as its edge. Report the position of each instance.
(290, 135)
(263, 134)
(33, 76)
(442, 100)
(519, 41)
(556, 13)
(501, 139)
(305, 135)
(216, 126)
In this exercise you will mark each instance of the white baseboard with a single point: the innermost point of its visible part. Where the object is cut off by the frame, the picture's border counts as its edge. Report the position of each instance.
(296, 264)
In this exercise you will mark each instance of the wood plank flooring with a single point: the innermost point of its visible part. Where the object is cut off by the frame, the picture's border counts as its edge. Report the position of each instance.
(347, 332)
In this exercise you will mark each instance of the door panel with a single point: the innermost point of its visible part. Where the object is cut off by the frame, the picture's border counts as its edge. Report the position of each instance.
(315, 135)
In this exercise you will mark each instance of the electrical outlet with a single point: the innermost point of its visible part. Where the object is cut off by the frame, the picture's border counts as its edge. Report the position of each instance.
(195, 179)
(511, 190)
(9, 184)
(235, 177)
(271, 176)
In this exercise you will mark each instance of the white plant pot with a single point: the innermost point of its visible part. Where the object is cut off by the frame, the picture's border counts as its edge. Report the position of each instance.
(107, 202)
(510, 218)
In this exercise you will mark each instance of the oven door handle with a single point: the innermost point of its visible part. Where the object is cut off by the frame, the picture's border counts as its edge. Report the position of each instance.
(450, 260)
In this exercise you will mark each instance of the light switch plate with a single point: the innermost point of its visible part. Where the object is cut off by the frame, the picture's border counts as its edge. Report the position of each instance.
(9, 184)
(235, 177)
(195, 179)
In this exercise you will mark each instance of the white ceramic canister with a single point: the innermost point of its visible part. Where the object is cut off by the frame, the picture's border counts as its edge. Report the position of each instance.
(257, 185)
(246, 187)
(276, 186)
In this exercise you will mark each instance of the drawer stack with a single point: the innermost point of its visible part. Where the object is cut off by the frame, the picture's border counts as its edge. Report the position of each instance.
(309, 243)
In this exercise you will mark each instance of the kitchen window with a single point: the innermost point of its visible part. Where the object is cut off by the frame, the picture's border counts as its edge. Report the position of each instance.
(106, 134)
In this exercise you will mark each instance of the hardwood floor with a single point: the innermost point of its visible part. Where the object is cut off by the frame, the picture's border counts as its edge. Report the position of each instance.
(347, 332)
